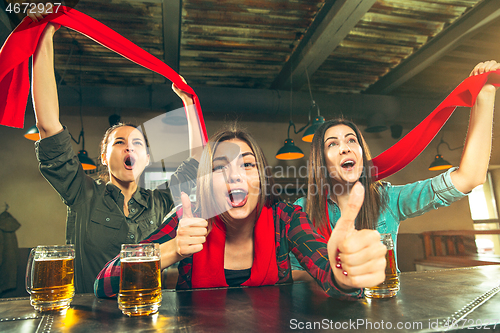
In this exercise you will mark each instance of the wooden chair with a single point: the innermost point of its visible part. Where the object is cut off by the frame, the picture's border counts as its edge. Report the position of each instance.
(454, 248)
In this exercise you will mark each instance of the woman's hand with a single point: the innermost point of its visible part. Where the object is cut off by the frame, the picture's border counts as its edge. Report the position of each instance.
(484, 67)
(37, 16)
(357, 257)
(186, 98)
(191, 232)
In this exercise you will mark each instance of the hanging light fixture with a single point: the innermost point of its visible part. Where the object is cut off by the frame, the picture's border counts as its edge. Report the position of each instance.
(439, 162)
(376, 123)
(83, 156)
(32, 133)
(318, 120)
(289, 151)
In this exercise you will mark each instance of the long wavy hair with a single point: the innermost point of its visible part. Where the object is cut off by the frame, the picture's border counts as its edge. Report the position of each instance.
(320, 183)
(206, 203)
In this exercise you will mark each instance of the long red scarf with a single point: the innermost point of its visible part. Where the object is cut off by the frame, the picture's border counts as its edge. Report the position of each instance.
(412, 144)
(21, 44)
(208, 264)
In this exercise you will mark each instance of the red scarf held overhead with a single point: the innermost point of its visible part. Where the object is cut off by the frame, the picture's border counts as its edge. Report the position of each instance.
(21, 44)
(412, 144)
(208, 264)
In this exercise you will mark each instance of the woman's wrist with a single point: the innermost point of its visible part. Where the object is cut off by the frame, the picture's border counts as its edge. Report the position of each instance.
(169, 255)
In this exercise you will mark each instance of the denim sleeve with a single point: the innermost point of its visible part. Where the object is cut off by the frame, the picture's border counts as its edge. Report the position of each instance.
(410, 200)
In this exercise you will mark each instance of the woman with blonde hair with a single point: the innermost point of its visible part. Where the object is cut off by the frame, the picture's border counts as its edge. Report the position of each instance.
(241, 233)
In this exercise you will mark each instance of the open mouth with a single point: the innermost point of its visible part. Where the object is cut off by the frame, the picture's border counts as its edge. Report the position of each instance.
(237, 198)
(348, 165)
(129, 162)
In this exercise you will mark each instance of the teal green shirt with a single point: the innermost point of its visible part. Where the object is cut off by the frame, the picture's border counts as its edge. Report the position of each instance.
(403, 202)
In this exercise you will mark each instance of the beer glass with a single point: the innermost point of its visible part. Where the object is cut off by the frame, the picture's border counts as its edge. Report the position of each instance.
(140, 279)
(390, 287)
(50, 277)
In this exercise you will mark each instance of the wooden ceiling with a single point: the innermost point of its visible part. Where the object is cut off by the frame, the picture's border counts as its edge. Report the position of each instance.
(389, 47)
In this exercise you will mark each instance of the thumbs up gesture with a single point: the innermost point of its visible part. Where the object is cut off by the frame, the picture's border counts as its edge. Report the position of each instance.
(191, 232)
(357, 257)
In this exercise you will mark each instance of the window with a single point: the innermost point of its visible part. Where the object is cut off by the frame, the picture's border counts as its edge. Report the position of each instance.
(153, 179)
(484, 212)
(482, 202)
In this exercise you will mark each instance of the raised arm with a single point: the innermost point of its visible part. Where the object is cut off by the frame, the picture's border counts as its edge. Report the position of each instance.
(44, 89)
(195, 132)
(477, 148)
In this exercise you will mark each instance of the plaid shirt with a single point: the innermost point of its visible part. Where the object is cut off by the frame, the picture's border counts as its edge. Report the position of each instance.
(294, 232)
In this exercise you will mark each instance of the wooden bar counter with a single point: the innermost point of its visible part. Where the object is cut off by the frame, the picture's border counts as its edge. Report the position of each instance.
(429, 301)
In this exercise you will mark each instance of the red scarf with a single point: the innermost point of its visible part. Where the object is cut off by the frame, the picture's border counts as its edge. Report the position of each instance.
(412, 144)
(21, 44)
(208, 264)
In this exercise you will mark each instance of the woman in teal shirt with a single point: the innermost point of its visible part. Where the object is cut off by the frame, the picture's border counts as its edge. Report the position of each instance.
(340, 157)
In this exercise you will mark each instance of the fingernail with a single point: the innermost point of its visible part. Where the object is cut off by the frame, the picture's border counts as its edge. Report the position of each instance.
(338, 251)
(338, 265)
(338, 259)
(345, 273)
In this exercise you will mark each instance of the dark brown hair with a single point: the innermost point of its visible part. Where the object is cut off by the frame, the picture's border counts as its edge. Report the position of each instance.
(319, 181)
(207, 205)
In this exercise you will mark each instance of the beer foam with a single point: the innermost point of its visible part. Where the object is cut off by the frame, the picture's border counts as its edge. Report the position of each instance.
(140, 259)
(52, 259)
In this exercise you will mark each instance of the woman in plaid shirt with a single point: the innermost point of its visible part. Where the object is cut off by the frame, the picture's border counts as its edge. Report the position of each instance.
(241, 233)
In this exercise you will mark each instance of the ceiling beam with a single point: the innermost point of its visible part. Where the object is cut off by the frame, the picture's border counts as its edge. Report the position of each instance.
(331, 25)
(254, 104)
(458, 32)
(172, 13)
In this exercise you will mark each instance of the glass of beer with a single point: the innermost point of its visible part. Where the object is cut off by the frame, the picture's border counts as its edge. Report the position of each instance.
(50, 277)
(140, 279)
(390, 287)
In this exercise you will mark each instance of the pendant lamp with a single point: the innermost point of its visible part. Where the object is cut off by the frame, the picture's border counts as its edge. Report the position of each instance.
(32, 133)
(289, 151)
(439, 162)
(317, 122)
